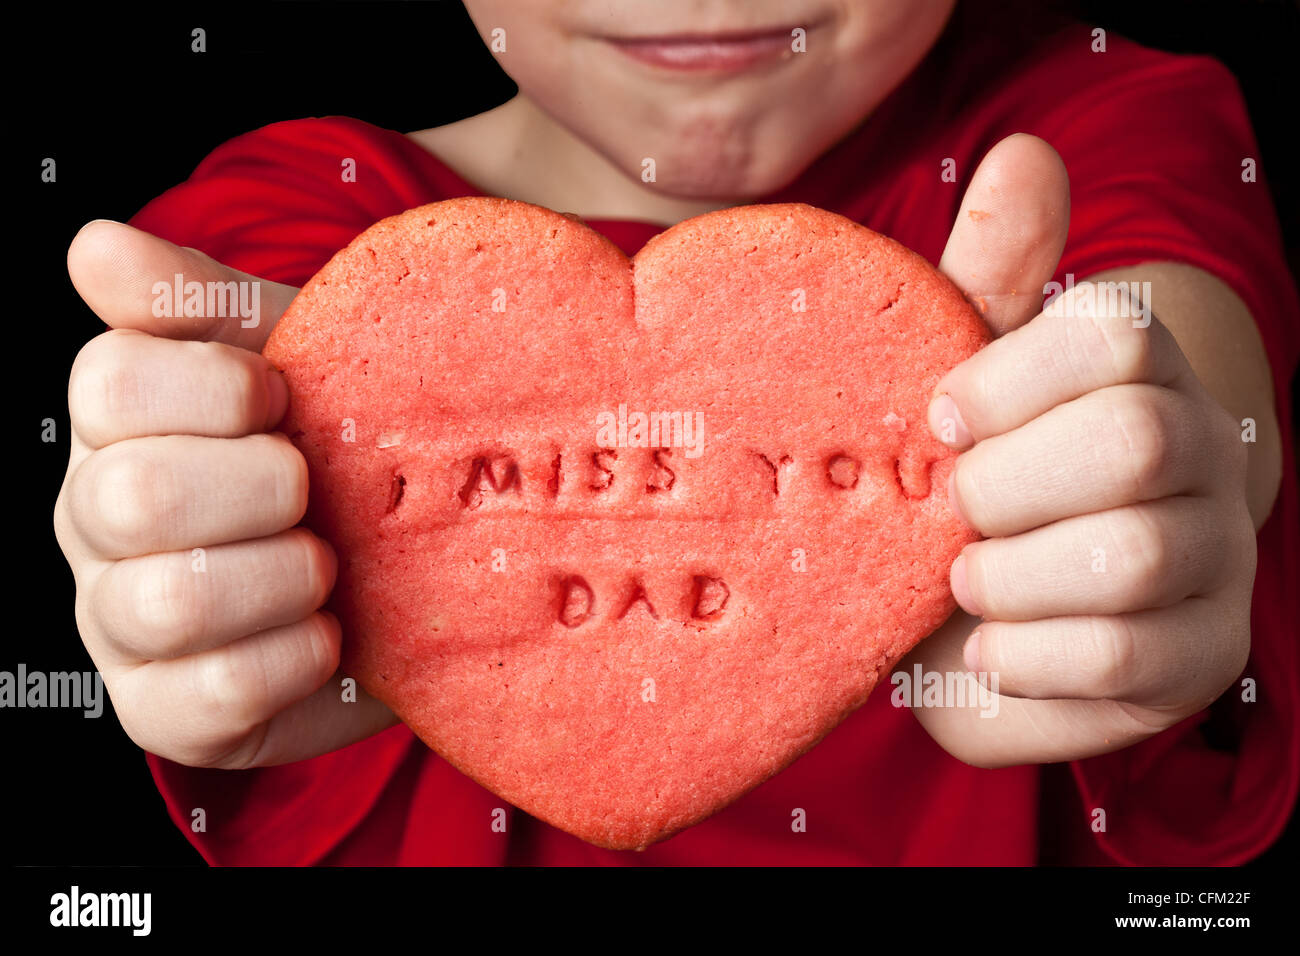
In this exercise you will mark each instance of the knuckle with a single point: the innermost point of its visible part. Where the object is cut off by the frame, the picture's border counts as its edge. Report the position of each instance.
(247, 385)
(127, 492)
(1238, 651)
(169, 609)
(1145, 550)
(63, 533)
(1237, 451)
(1247, 551)
(1223, 661)
(1114, 654)
(233, 685)
(83, 613)
(103, 383)
(160, 735)
(1236, 546)
(137, 720)
(1145, 428)
(135, 727)
(1128, 350)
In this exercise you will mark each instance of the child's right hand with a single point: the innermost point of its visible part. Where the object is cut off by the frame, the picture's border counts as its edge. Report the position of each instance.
(197, 598)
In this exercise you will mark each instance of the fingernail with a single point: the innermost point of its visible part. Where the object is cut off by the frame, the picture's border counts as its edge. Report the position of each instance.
(277, 397)
(946, 423)
(953, 503)
(334, 559)
(970, 654)
(961, 587)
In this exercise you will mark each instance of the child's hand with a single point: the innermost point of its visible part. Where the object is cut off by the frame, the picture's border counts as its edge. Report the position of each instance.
(197, 597)
(1115, 581)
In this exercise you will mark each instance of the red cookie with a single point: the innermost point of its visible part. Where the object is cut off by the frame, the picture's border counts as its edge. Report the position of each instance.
(622, 539)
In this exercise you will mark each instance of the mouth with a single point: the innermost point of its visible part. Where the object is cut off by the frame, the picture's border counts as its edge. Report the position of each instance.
(730, 52)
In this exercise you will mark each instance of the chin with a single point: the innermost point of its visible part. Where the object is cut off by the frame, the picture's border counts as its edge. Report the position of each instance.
(723, 173)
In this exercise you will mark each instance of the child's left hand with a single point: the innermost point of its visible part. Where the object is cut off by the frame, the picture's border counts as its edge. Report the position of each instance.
(1115, 582)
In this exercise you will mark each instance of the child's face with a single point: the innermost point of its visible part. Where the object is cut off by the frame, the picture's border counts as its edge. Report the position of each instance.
(720, 102)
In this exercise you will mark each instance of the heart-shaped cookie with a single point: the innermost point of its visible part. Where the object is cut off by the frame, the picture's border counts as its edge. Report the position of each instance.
(620, 539)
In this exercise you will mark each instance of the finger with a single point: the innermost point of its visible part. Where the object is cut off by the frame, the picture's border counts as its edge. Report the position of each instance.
(993, 730)
(202, 708)
(1010, 230)
(1130, 558)
(126, 384)
(318, 724)
(128, 277)
(167, 492)
(1112, 447)
(1065, 352)
(1167, 656)
(162, 606)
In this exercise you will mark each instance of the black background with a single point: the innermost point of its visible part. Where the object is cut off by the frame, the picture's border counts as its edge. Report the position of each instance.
(117, 98)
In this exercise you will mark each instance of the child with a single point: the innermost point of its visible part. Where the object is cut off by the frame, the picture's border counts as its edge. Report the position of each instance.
(1082, 432)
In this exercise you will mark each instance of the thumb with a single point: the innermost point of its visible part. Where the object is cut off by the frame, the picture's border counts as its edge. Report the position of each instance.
(129, 279)
(1010, 231)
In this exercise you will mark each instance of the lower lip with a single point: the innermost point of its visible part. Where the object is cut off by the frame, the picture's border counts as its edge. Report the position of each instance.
(708, 55)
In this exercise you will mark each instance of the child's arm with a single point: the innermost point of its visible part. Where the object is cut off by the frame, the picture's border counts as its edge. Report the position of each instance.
(197, 597)
(1114, 489)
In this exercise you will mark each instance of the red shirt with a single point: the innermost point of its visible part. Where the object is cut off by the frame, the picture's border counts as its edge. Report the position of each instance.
(1154, 145)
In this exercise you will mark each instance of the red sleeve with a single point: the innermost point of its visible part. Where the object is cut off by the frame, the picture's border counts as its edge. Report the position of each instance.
(276, 203)
(1155, 145)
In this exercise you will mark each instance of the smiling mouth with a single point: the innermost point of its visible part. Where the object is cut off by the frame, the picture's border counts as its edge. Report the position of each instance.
(715, 53)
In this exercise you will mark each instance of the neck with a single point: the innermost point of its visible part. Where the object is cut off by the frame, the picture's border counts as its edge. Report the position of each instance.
(518, 152)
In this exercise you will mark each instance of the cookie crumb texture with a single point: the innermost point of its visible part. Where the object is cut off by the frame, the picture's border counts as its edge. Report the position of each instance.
(619, 630)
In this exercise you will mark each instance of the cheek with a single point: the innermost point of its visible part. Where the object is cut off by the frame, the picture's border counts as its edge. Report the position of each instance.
(528, 40)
